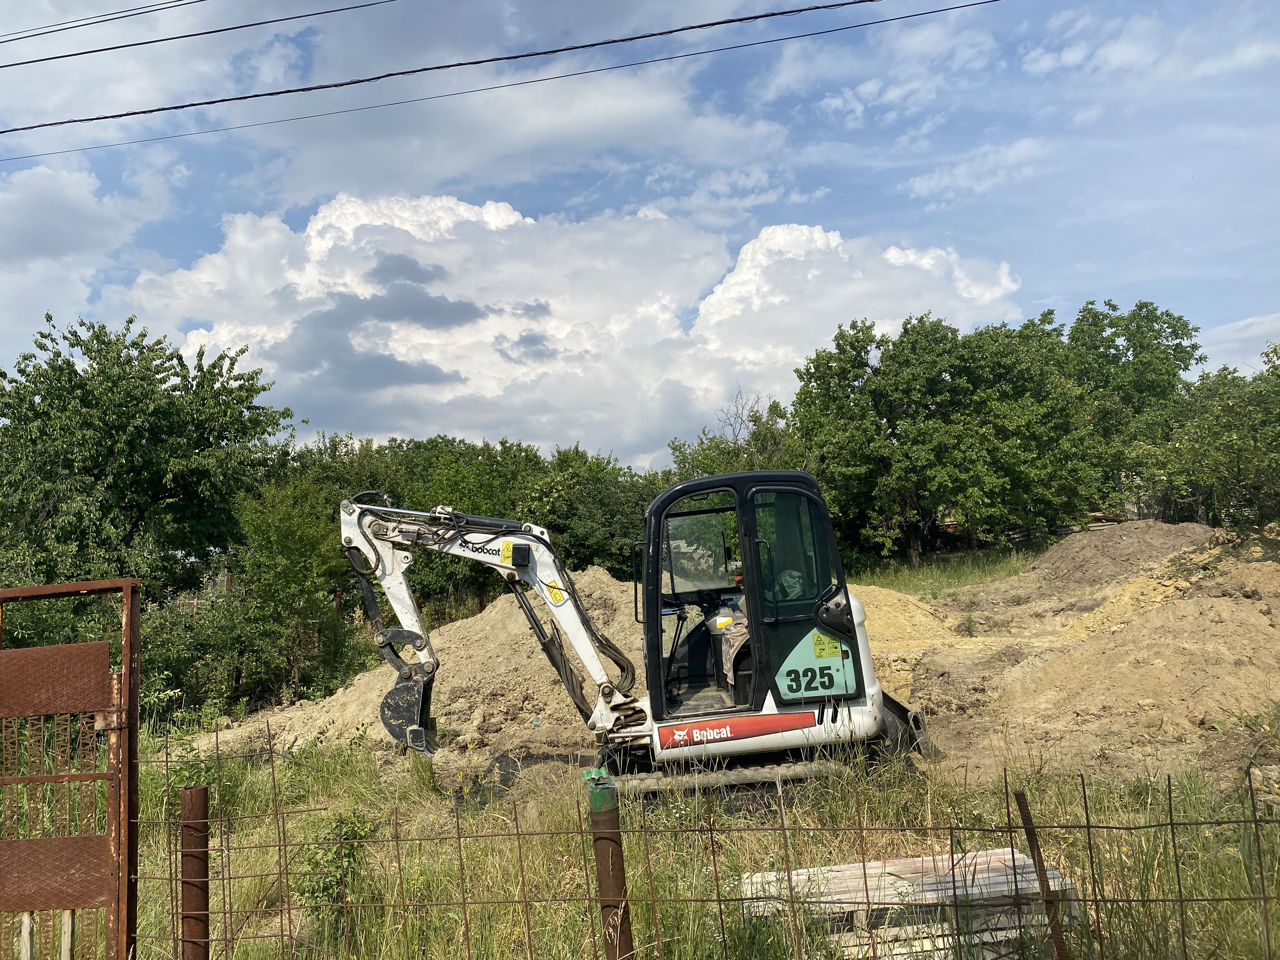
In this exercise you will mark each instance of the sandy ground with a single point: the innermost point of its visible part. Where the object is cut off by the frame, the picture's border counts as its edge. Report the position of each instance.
(1133, 648)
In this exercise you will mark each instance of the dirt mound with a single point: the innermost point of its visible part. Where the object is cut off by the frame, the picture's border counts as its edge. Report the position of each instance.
(1143, 671)
(1071, 580)
(496, 695)
(899, 629)
(1148, 681)
(1091, 558)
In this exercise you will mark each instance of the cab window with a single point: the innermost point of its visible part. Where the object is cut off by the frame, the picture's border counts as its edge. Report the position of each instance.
(795, 562)
(707, 663)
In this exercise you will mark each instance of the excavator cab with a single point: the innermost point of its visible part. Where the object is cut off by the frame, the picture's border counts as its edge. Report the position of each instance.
(744, 598)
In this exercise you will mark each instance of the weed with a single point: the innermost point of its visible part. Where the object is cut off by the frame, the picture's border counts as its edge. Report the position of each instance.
(385, 870)
(333, 875)
(944, 572)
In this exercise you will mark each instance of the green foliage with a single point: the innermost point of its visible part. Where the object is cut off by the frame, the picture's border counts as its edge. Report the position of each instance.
(290, 566)
(1220, 463)
(333, 875)
(908, 431)
(753, 434)
(201, 648)
(1025, 427)
(593, 508)
(121, 459)
(1131, 366)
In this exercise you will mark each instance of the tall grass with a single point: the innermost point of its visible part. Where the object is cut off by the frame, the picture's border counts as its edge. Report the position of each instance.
(376, 860)
(948, 571)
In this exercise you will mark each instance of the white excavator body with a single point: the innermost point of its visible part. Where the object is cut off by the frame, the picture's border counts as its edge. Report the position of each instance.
(755, 651)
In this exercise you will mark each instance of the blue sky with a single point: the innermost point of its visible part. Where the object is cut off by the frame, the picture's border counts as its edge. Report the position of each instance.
(608, 259)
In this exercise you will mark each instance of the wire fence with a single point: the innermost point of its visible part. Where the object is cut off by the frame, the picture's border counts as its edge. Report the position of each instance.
(765, 876)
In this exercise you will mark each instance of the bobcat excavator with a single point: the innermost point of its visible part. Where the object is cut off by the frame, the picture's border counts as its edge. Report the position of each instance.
(755, 652)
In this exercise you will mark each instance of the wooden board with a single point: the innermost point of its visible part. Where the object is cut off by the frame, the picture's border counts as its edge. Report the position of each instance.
(917, 906)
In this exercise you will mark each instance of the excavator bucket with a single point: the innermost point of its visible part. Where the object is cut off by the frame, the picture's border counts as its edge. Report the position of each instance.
(905, 731)
(406, 713)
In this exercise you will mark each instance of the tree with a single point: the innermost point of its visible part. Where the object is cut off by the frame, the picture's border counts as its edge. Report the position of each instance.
(289, 567)
(835, 420)
(879, 413)
(117, 458)
(753, 434)
(1132, 366)
(1221, 461)
(593, 507)
(1027, 433)
(988, 430)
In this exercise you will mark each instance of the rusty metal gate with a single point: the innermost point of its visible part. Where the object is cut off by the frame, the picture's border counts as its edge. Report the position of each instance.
(69, 789)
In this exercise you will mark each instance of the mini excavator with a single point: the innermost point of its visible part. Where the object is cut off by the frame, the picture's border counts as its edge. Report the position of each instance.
(755, 652)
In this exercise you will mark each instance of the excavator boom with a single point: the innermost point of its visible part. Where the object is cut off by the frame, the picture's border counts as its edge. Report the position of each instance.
(379, 540)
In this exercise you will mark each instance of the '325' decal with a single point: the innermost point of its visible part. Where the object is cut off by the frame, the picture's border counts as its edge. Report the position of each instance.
(810, 680)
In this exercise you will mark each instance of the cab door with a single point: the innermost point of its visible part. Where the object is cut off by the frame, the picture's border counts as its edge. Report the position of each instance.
(796, 572)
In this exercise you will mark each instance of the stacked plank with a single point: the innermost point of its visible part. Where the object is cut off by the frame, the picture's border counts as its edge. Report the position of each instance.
(982, 904)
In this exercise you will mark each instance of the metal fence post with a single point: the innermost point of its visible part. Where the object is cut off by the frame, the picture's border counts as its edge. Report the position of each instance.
(195, 873)
(611, 875)
(1046, 891)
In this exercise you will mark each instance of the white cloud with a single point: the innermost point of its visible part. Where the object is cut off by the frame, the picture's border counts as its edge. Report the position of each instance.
(1069, 22)
(417, 315)
(1142, 47)
(982, 170)
(1246, 55)
(916, 138)
(61, 229)
(902, 70)
(948, 265)
(1087, 115)
(845, 105)
(593, 125)
(1240, 344)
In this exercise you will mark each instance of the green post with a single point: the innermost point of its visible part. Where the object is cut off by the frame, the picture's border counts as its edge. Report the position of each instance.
(611, 875)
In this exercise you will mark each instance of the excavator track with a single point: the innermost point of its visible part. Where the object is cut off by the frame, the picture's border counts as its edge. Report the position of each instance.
(640, 784)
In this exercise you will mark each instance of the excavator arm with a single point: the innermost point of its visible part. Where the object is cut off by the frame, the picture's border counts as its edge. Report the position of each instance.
(380, 542)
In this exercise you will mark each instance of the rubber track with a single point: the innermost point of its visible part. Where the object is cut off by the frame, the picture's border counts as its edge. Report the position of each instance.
(657, 782)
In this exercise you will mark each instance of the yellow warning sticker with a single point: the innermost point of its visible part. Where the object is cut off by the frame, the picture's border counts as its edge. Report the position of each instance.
(553, 588)
(506, 552)
(825, 647)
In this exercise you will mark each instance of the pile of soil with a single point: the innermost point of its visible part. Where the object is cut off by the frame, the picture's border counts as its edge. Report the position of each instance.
(1072, 578)
(495, 697)
(1114, 554)
(1158, 676)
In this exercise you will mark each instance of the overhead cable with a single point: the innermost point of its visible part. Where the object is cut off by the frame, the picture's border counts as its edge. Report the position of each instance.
(505, 58)
(497, 86)
(188, 36)
(81, 22)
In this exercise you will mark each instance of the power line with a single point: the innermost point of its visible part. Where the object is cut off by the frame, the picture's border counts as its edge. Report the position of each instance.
(507, 58)
(108, 17)
(188, 36)
(496, 86)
